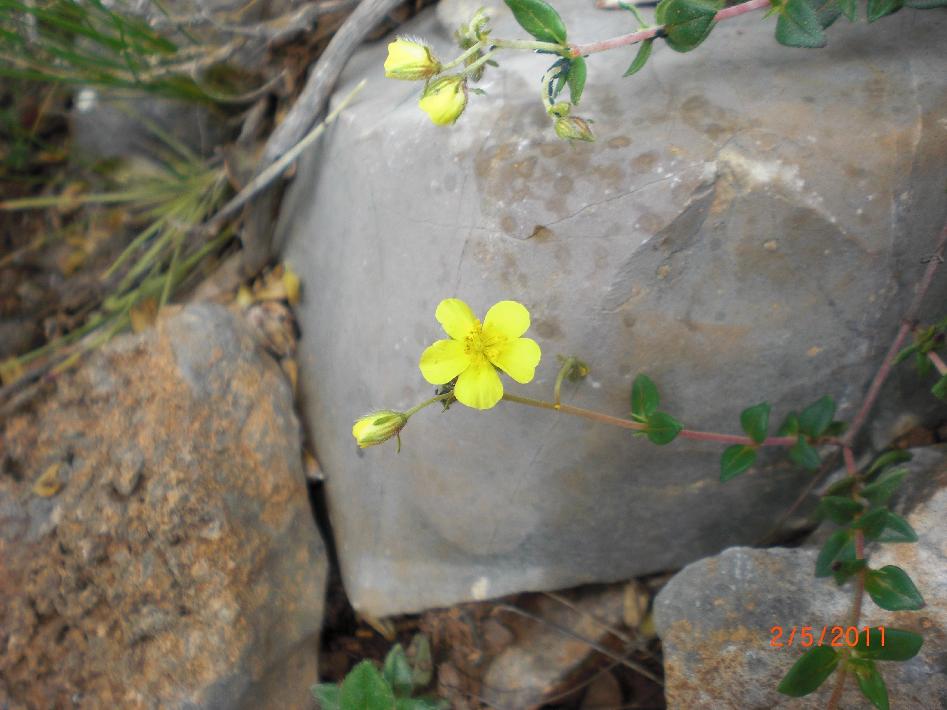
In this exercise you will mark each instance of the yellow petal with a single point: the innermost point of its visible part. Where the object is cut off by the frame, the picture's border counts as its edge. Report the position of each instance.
(505, 320)
(518, 358)
(443, 361)
(456, 318)
(479, 385)
(410, 60)
(444, 100)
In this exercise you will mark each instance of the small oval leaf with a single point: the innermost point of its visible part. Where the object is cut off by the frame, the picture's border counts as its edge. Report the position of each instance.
(539, 19)
(663, 428)
(641, 58)
(891, 588)
(644, 397)
(888, 644)
(755, 421)
(809, 672)
(735, 460)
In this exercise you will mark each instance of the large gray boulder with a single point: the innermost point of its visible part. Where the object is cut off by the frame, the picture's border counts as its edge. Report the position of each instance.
(749, 225)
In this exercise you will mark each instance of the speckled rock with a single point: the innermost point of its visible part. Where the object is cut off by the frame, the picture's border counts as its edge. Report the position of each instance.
(177, 563)
(716, 616)
(749, 225)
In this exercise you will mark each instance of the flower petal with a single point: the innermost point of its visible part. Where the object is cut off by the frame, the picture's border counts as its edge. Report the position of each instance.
(505, 320)
(456, 318)
(518, 358)
(479, 385)
(443, 361)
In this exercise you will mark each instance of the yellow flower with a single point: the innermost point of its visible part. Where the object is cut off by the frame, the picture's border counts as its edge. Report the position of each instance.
(475, 351)
(378, 427)
(445, 99)
(410, 60)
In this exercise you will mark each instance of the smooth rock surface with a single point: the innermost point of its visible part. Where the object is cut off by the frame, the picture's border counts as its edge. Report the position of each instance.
(749, 225)
(715, 619)
(177, 564)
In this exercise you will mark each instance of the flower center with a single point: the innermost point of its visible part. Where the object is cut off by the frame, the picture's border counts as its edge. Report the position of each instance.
(476, 344)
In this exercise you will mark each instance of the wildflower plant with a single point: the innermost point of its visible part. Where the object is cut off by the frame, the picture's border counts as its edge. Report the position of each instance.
(682, 24)
(466, 369)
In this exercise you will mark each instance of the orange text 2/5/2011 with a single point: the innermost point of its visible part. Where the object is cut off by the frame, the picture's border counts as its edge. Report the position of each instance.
(806, 636)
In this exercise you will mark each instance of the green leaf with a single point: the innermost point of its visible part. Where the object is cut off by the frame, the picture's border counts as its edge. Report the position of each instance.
(815, 418)
(849, 8)
(803, 454)
(838, 509)
(888, 458)
(663, 428)
(828, 11)
(790, 425)
(798, 25)
(687, 23)
(539, 19)
(843, 569)
(641, 58)
(882, 525)
(891, 588)
(422, 667)
(939, 389)
(836, 428)
(577, 72)
(879, 8)
(327, 695)
(909, 350)
(755, 421)
(841, 487)
(644, 397)
(830, 552)
(735, 460)
(364, 688)
(922, 364)
(809, 672)
(878, 492)
(870, 682)
(397, 671)
(888, 644)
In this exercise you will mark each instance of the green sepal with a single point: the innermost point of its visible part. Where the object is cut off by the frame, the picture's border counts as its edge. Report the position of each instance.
(663, 428)
(687, 23)
(839, 510)
(735, 460)
(815, 418)
(870, 681)
(364, 688)
(881, 489)
(809, 672)
(899, 645)
(799, 26)
(830, 551)
(540, 19)
(644, 397)
(755, 421)
(641, 58)
(327, 695)
(891, 588)
(888, 458)
(880, 8)
(397, 672)
(577, 74)
(804, 455)
(881, 525)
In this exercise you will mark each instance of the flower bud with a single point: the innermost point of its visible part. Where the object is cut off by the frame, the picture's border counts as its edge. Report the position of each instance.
(574, 128)
(445, 99)
(560, 109)
(378, 427)
(410, 60)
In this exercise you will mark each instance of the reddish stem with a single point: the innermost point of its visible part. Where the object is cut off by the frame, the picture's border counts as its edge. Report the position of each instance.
(581, 50)
(938, 362)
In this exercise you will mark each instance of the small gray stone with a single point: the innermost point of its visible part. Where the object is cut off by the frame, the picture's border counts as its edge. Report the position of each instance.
(718, 621)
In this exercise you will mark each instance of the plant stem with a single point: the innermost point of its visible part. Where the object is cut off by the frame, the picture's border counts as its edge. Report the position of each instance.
(479, 63)
(907, 325)
(581, 50)
(418, 407)
(637, 426)
(562, 49)
(938, 362)
(463, 57)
